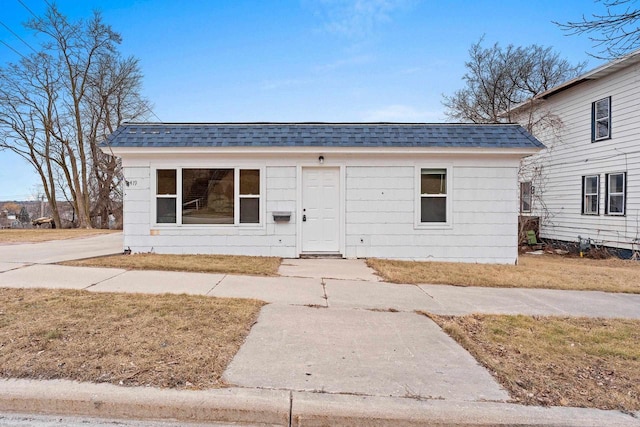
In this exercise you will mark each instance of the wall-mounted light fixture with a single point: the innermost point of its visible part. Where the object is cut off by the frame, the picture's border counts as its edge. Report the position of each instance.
(321, 159)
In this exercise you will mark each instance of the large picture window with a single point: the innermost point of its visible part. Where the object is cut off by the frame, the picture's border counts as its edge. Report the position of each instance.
(591, 195)
(208, 196)
(433, 195)
(616, 193)
(601, 119)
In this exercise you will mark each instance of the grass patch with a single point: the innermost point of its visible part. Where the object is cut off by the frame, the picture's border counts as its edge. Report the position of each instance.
(532, 271)
(35, 235)
(228, 264)
(176, 341)
(580, 362)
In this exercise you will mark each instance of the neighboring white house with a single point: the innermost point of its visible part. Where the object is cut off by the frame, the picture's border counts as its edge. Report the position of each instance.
(587, 181)
(445, 192)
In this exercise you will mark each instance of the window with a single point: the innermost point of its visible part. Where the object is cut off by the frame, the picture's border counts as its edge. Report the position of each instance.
(601, 119)
(526, 191)
(166, 196)
(591, 195)
(249, 196)
(616, 192)
(208, 196)
(433, 195)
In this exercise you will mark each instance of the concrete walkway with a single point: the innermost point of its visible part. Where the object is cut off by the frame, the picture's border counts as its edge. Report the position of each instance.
(332, 293)
(334, 346)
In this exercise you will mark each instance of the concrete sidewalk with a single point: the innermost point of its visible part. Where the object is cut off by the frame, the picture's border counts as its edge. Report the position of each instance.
(332, 293)
(347, 350)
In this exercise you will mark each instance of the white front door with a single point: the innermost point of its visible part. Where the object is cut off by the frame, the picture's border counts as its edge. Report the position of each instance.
(320, 209)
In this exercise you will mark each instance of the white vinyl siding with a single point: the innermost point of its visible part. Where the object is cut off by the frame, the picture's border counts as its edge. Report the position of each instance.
(484, 213)
(570, 154)
(380, 208)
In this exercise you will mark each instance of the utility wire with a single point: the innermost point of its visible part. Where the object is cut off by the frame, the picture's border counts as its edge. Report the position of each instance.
(17, 36)
(4, 43)
(155, 115)
(28, 10)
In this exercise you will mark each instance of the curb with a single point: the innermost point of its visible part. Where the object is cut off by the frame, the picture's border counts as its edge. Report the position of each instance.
(234, 405)
(315, 409)
(283, 407)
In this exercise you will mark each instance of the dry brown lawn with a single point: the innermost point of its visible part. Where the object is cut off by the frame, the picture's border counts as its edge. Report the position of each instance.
(533, 271)
(35, 235)
(176, 341)
(227, 264)
(556, 361)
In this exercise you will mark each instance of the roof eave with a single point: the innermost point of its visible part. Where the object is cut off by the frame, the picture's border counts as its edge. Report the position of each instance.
(146, 151)
(595, 74)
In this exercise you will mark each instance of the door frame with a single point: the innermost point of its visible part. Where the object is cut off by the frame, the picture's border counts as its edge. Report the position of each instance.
(341, 201)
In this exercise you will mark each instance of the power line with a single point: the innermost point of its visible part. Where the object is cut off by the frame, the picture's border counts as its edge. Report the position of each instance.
(28, 10)
(17, 36)
(155, 115)
(4, 43)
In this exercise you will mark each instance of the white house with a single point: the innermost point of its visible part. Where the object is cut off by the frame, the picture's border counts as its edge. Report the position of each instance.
(587, 181)
(443, 192)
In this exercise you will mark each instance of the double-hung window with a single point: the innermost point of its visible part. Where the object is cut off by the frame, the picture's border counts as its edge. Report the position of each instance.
(166, 196)
(591, 195)
(601, 119)
(526, 192)
(208, 196)
(433, 196)
(616, 193)
(249, 196)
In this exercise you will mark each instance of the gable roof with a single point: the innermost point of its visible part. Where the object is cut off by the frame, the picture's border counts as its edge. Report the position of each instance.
(595, 74)
(160, 135)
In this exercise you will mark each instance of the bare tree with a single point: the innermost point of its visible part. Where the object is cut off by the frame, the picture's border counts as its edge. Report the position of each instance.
(616, 31)
(59, 104)
(499, 79)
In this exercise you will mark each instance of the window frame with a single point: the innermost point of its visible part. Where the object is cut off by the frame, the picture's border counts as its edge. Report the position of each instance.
(595, 120)
(608, 194)
(418, 224)
(585, 194)
(179, 197)
(522, 210)
(157, 195)
(239, 196)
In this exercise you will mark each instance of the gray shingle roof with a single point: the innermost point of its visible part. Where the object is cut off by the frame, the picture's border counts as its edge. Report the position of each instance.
(321, 135)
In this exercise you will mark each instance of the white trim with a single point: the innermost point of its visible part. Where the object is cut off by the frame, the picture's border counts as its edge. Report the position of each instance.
(418, 224)
(623, 193)
(236, 183)
(595, 120)
(522, 211)
(585, 210)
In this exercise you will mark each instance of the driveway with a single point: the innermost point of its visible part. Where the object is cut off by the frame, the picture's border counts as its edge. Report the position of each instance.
(60, 250)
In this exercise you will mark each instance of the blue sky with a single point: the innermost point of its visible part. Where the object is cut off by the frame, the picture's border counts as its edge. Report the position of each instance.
(301, 60)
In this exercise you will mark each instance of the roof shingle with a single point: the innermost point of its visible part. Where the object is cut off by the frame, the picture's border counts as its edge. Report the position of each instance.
(321, 135)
